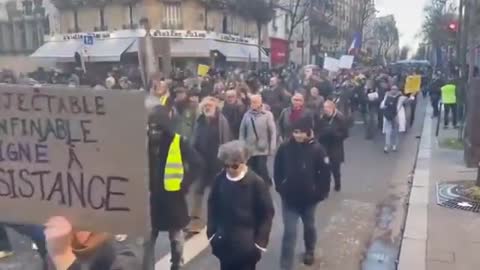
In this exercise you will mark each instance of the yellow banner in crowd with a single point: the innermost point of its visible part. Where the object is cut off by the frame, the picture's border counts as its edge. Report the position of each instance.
(202, 70)
(413, 84)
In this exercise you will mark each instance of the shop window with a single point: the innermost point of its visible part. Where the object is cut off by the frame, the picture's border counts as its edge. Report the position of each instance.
(173, 15)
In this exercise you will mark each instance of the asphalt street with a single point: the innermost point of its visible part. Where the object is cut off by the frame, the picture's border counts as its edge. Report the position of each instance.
(347, 222)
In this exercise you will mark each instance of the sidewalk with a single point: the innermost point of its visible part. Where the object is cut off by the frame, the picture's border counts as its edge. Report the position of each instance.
(438, 238)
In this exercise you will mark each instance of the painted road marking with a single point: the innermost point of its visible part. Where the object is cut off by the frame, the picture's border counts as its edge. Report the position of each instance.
(192, 248)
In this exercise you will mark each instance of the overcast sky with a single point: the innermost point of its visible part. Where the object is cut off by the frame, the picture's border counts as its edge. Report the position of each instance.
(409, 17)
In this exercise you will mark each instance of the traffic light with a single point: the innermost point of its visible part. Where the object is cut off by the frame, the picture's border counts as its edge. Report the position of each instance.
(453, 26)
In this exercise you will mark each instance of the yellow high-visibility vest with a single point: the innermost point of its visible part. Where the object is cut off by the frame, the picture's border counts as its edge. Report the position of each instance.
(174, 171)
(449, 94)
(163, 100)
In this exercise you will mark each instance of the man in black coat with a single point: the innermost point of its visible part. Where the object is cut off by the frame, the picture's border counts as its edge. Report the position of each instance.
(332, 132)
(302, 177)
(168, 210)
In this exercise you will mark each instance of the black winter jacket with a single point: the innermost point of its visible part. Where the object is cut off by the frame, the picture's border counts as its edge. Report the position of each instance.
(169, 210)
(239, 216)
(301, 173)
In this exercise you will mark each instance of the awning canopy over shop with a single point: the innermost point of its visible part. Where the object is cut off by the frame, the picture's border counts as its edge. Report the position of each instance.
(59, 51)
(111, 50)
(103, 50)
(201, 48)
(108, 50)
(240, 52)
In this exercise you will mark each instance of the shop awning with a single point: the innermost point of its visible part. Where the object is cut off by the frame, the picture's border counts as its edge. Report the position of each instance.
(240, 52)
(108, 50)
(61, 51)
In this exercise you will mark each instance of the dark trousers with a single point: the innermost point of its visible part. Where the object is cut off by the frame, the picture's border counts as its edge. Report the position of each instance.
(335, 168)
(436, 107)
(413, 109)
(453, 109)
(259, 165)
(34, 232)
(291, 216)
(177, 240)
(238, 266)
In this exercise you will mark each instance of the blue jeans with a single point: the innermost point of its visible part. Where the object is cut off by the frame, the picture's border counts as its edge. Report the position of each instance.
(290, 220)
(391, 134)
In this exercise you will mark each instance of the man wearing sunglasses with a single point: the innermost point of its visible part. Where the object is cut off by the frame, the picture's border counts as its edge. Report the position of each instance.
(302, 177)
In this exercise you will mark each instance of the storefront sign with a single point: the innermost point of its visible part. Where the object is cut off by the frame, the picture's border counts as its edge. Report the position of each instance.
(178, 33)
(96, 35)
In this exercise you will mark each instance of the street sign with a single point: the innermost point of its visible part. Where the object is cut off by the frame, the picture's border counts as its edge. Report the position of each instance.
(88, 40)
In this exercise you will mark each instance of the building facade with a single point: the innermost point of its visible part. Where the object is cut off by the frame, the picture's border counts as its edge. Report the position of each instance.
(297, 49)
(23, 27)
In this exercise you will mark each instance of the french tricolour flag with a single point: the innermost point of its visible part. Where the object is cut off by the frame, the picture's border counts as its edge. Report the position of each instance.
(356, 44)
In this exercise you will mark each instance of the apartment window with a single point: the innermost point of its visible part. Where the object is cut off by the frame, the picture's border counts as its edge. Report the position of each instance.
(274, 20)
(102, 19)
(173, 15)
(287, 23)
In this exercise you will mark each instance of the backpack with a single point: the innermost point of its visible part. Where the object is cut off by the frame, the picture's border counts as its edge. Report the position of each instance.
(390, 111)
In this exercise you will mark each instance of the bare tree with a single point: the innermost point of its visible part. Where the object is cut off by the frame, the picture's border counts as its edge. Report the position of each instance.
(297, 12)
(260, 11)
(366, 11)
(386, 33)
(321, 21)
(404, 52)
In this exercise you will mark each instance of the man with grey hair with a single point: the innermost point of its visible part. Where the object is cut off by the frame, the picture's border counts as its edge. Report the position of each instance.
(233, 109)
(240, 211)
(210, 131)
(259, 132)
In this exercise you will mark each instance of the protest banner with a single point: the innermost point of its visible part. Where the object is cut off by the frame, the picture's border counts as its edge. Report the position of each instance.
(77, 153)
(346, 61)
(331, 64)
(413, 84)
(202, 70)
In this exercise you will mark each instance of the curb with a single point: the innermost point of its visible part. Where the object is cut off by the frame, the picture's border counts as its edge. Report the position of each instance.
(413, 252)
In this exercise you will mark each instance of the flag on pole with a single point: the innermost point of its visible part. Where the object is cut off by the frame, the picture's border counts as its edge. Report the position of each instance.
(356, 44)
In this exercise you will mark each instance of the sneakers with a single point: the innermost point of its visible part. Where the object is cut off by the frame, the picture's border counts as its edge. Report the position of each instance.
(385, 150)
(121, 237)
(308, 259)
(5, 254)
(338, 187)
(394, 148)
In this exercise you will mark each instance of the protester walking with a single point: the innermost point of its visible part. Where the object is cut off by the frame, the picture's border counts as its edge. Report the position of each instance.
(211, 130)
(315, 101)
(233, 110)
(173, 166)
(259, 132)
(449, 100)
(394, 119)
(292, 114)
(240, 211)
(435, 94)
(302, 177)
(276, 96)
(184, 113)
(332, 132)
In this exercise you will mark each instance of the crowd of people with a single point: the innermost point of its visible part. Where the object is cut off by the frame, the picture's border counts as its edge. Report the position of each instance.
(217, 133)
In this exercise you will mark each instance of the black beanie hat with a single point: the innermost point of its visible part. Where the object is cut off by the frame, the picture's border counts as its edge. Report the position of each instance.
(304, 124)
(160, 117)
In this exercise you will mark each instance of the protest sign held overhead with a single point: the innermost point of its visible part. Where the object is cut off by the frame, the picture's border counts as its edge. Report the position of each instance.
(346, 61)
(413, 84)
(331, 64)
(79, 154)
